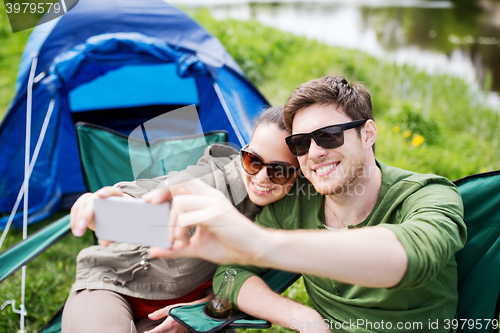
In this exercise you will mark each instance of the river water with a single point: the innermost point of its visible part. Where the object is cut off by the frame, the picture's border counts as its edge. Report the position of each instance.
(460, 37)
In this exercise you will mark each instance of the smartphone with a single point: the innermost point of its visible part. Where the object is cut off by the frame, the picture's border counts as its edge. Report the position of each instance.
(130, 220)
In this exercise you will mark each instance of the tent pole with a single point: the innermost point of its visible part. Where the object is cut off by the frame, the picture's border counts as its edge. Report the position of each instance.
(228, 114)
(26, 180)
(64, 6)
(32, 166)
(21, 193)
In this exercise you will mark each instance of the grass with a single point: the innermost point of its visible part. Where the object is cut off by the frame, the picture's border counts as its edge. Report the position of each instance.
(11, 48)
(49, 278)
(427, 123)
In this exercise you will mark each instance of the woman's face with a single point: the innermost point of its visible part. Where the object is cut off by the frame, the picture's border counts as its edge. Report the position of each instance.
(268, 143)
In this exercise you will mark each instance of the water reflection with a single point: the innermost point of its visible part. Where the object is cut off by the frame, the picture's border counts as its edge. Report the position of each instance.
(465, 35)
(459, 37)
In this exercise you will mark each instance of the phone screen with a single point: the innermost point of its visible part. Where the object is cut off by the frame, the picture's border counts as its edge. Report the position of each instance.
(130, 220)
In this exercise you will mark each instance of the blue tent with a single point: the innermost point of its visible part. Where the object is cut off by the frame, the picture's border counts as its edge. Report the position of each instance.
(116, 64)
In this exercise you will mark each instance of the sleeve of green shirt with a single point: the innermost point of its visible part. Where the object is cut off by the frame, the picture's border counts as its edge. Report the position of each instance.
(266, 218)
(431, 230)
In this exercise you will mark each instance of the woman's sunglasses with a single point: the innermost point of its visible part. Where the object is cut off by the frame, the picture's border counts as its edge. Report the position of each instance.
(277, 173)
(328, 137)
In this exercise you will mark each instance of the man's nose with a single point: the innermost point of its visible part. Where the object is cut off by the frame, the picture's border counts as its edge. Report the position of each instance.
(316, 151)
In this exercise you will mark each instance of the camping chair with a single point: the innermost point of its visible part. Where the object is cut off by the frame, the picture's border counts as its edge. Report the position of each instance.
(104, 153)
(194, 317)
(98, 158)
(479, 261)
(104, 158)
(99, 146)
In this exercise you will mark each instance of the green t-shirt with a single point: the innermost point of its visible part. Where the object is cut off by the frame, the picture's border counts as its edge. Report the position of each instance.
(426, 214)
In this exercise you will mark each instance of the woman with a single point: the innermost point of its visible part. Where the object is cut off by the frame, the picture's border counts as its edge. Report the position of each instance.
(118, 288)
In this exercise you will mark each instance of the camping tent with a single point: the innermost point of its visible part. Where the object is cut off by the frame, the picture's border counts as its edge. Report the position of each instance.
(116, 64)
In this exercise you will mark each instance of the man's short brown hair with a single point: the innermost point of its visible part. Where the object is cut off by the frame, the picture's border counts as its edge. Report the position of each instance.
(353, 98)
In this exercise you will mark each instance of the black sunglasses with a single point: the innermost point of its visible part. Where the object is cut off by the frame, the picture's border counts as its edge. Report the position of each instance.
(328, 137)
(277, 173)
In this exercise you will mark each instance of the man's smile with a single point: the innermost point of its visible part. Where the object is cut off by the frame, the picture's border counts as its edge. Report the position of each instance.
(324, 169)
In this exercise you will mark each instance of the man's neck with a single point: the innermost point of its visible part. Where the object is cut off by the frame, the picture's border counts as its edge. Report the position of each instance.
(353, 207)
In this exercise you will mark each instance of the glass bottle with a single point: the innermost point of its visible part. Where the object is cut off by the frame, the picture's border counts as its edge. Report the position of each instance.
(220, 306)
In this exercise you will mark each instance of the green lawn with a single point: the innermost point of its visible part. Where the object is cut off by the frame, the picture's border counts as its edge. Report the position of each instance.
(49, 278)
(11, 48)
(429, 124)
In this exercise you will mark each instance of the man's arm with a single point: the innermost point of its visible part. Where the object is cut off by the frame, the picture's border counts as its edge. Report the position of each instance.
(371, 257)
(258, 300)
(406, 254)
(431, 232)
(252, 295)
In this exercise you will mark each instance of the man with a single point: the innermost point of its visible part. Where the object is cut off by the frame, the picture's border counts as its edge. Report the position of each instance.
(388, 264)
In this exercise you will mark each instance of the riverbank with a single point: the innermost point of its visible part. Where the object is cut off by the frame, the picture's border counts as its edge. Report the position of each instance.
(427, 123)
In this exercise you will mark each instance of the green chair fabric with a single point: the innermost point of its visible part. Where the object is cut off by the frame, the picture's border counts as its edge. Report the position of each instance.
(106, 155)
(23, 252)
(194, 318)
(479, 261)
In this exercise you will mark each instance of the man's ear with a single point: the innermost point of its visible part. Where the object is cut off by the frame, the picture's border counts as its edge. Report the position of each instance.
(370, 134)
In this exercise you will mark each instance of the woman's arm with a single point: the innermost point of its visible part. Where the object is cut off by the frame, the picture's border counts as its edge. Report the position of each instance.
(258, 300)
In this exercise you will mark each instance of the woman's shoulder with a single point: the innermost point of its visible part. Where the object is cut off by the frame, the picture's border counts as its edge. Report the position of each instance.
(226, 149)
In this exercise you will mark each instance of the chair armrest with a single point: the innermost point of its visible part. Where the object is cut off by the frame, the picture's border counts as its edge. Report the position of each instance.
(23, 252)
(193, 317)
